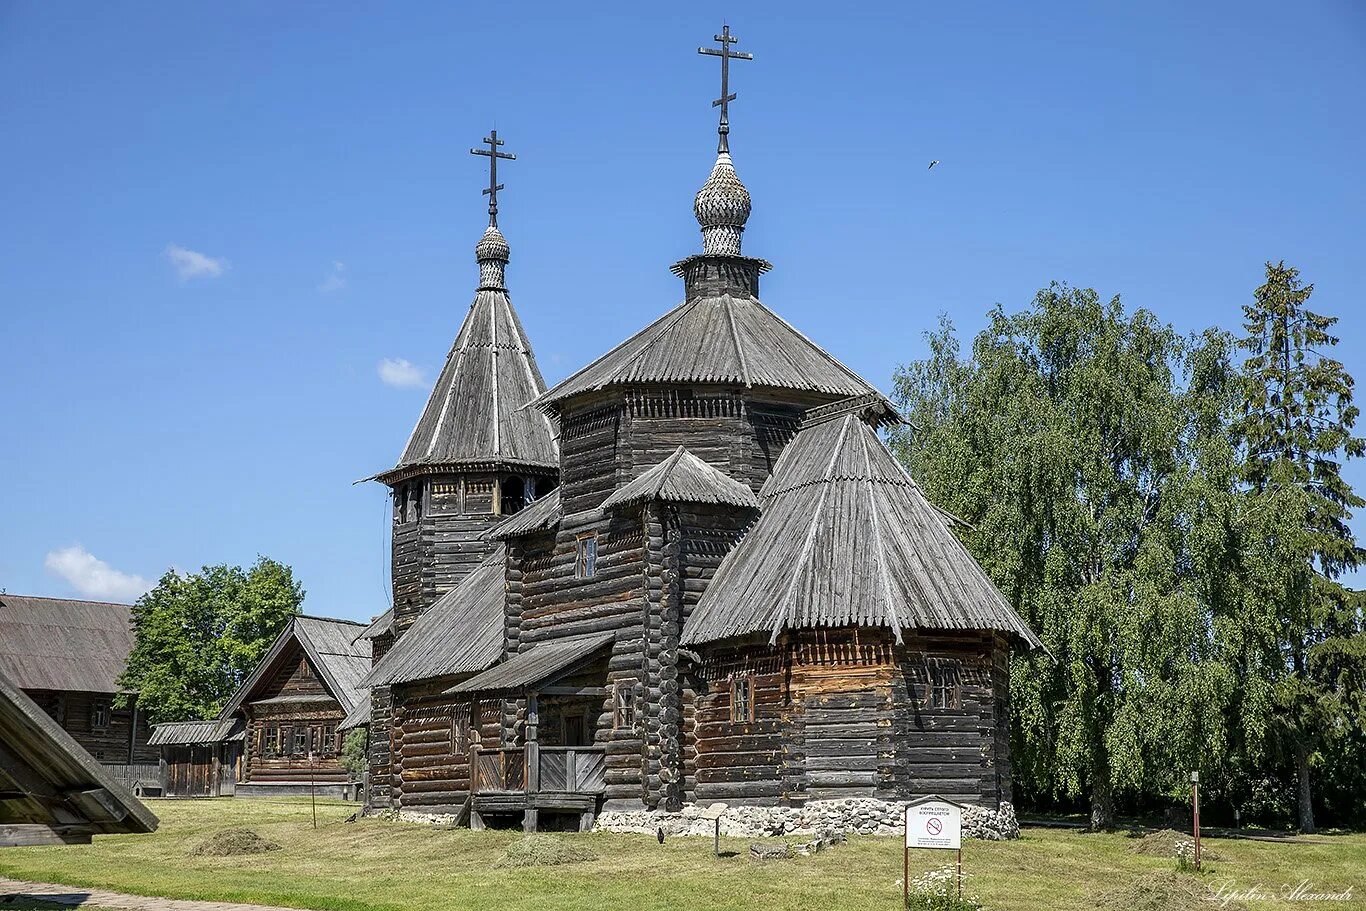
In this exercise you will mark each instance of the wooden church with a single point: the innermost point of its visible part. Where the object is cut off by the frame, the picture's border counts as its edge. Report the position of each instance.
(692, 571)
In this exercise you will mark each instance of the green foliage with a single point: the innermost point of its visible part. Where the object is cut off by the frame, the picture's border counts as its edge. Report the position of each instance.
(1173, 528)
(353, 753)
(198, 635)
(1302, 628)
(1085, 447)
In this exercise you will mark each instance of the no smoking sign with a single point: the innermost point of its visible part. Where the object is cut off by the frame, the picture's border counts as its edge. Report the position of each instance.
(934, 824)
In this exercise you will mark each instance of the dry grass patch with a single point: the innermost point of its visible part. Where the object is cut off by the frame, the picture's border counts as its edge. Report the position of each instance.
(1167, 890)
(542, 850)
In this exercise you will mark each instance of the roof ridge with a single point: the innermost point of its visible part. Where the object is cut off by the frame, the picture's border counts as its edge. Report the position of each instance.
(4, 595)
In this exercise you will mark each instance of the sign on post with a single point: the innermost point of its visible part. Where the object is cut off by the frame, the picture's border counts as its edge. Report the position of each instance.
(932, 822)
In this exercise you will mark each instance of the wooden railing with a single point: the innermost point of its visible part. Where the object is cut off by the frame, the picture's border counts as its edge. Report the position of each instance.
(498, 769)
(574, 770)
(565, 770)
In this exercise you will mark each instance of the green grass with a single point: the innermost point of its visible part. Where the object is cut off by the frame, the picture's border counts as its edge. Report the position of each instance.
(373, 865)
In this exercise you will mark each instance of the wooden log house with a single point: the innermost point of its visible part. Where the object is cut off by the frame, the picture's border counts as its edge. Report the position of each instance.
(281, 733)
(735, 592)
(67, 655)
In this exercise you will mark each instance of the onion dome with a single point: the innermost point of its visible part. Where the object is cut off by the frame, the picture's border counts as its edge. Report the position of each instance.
(722, 208)
(492, 252)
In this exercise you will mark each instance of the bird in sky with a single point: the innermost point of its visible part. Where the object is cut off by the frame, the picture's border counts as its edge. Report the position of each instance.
(933, 163)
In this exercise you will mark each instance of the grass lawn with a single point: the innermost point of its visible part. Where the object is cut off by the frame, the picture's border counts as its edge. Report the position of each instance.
(372, 865)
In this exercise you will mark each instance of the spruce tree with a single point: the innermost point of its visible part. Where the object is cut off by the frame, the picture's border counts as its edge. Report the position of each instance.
(1297, 426)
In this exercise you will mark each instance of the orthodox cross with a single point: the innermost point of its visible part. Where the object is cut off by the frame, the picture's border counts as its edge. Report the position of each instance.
(727, 96)
(492, 153)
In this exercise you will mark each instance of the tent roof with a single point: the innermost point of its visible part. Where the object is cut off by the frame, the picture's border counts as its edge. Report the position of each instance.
(846, 538)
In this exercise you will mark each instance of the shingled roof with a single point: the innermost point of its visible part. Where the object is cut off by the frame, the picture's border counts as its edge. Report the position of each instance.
(340, 658)
(544, 513)
(683, 478)
(475, 414)
(720, 338)
(846, 538)
(61, 644)
(462, 633)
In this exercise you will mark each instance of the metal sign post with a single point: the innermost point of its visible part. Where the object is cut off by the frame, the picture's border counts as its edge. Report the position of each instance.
(932, 822)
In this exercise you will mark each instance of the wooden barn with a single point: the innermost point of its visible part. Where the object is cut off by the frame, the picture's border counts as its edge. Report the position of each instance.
(734, 593)
(281, 733)
(67, 656)
(52, 791)
(200, 758)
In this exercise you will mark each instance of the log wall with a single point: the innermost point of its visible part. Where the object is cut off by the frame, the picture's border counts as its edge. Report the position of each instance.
(849, 713)
(122, 738)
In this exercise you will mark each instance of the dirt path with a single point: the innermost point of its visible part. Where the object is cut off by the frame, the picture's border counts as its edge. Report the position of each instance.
(114, 901)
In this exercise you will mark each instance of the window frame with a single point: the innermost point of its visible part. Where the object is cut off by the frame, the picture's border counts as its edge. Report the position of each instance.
(624, 710)
(100, 715)
(586, 555)
(742, 697)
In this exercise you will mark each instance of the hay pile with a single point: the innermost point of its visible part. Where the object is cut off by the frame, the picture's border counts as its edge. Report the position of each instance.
(542, 850)
(1166, 890)
(234, 842)
(1170, 843)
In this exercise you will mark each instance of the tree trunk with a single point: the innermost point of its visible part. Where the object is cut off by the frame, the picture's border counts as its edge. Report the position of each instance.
(1102, 803)
(1306, 794)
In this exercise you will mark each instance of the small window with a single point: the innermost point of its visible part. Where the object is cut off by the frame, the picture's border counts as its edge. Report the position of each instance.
(942, 682)
(270, 746)
(328, 740)
(586, 563)
(623, 705)
(301, 741)
(401, 505)
(304, 670)
(99, 715)
(512, 495)
(415, 500)
(742, 698)
(460, 729)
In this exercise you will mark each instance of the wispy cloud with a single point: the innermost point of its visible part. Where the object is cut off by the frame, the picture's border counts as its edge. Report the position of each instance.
(193, 264)
(395, 371)
(336, 279)
(92, 577)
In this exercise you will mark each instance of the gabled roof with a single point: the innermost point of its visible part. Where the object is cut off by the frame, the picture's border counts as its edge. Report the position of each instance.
(717, 339)
(54, 791)
(475, 415)
(462, 633)
(539, 664)
(540, 515)
(61, 644)
(332, 648)
(846, 538)
(683, 478)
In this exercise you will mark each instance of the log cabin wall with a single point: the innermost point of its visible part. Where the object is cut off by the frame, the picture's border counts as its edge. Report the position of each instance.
(114, 735)
(433, 736)
(848, 713)
(380, 792)
(548, 601)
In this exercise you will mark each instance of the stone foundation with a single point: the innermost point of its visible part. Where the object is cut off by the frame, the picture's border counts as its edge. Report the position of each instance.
(851, 816)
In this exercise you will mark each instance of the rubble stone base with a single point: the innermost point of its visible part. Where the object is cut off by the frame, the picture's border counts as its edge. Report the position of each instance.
(850, 816)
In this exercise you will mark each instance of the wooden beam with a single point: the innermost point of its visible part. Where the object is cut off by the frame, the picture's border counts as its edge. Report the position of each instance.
(17, 835)
(599, 691)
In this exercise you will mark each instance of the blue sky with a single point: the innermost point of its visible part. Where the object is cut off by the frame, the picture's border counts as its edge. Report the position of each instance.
(220, 220)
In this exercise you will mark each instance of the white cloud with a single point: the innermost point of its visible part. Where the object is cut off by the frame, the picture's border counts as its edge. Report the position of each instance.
(336, 279)
(92, 577)
(191, 264)
(395, 371)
